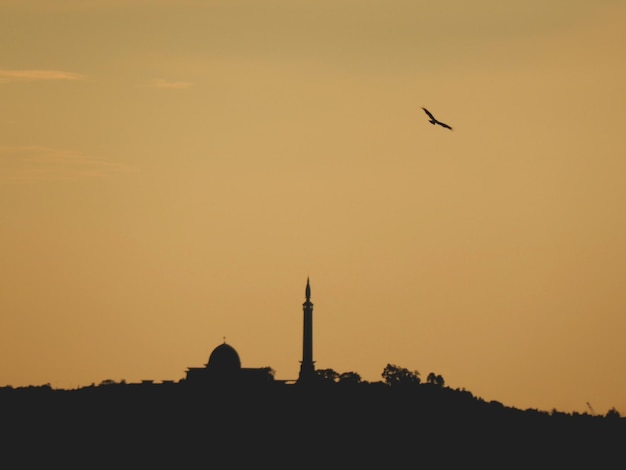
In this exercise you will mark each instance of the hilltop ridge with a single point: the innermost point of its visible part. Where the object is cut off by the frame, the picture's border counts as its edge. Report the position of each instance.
(344, 424)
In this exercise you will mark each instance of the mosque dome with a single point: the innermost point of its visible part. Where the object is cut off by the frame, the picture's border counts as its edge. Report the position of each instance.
(224, 358)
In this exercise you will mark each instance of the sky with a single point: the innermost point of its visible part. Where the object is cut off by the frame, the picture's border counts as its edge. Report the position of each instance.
(172, 172)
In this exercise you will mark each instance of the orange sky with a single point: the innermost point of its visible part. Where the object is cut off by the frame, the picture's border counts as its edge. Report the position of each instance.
(172, 171)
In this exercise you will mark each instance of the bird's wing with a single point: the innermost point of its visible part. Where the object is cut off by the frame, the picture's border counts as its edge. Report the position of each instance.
(443, 124)
(429, 113)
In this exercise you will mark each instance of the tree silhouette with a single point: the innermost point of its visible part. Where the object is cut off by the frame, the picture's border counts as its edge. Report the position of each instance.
(350, 378)
(613, 413)
(394, 375)
(328, 375)
(435, 379)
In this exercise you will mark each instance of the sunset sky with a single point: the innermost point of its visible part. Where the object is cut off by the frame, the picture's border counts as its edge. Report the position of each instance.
(172, 171)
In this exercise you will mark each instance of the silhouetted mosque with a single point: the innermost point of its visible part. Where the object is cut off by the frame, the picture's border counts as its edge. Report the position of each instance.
(224, 365)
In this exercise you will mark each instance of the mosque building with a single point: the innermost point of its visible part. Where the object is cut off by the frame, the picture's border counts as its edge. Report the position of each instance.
(224, 365)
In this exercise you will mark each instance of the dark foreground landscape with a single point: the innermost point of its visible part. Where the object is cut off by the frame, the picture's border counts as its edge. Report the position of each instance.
(175, 425)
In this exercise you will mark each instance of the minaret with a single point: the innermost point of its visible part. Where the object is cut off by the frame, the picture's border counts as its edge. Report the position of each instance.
(307, 367)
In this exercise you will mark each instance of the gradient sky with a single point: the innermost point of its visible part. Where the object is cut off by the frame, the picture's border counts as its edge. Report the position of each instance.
(172, 171)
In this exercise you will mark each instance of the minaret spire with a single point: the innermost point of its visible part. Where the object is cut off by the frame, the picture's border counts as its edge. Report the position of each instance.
(307, 291)
(307, 365)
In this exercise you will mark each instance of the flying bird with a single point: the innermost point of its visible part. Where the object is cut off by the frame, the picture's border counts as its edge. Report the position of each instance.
(434, 121)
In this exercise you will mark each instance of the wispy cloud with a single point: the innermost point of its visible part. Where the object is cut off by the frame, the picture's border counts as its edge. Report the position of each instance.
(35, 163)
(160, 83)
(37, 75)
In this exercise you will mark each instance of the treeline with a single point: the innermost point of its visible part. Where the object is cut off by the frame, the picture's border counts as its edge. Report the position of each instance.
(337, 422)
(395, 378)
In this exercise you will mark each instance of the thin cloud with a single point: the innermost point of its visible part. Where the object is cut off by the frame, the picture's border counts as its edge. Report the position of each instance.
(34, 163)
(37, 75)
(160, 83)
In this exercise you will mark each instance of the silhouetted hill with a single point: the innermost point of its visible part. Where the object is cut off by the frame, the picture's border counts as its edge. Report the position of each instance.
(292, 426)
